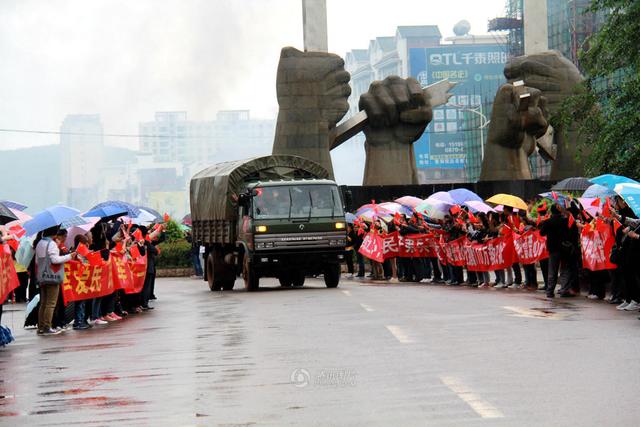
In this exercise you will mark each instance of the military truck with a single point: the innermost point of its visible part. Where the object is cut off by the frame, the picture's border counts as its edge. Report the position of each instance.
(274, 216)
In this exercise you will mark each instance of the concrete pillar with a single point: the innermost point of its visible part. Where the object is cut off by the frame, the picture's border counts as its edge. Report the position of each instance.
(314, 24)
(536, 34)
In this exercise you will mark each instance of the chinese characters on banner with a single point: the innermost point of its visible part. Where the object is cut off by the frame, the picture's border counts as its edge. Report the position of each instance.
(597, 243)
(83, 281)
(530, 247)
(372, 247)
(8, 276)
(495, 254)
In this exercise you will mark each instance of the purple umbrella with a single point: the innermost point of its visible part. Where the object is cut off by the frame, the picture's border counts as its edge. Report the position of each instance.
(478, 206)
(394, 207)
(409, 201)
(442, 197)
(461, 195)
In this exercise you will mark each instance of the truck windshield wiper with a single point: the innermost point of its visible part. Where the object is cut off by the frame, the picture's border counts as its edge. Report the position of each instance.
(290, 203)
(310, 206)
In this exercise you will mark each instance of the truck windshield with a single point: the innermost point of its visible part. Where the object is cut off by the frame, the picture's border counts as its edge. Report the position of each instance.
(297, 201)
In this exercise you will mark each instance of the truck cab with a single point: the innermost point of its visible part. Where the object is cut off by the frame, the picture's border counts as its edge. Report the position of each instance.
(293, 229)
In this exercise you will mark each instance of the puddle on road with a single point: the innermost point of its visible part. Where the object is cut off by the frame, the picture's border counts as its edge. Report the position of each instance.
(55, 406)
(557, 311)
(83, 382)
(66, 349)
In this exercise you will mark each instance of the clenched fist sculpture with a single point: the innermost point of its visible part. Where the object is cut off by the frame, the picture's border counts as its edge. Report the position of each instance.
(312, 90)
(398, 112)
(556, 78)
(515, 125)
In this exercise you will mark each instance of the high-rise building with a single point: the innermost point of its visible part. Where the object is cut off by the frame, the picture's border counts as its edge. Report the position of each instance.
(82, 157)
(447, 151)
(569, 24)
(171, 137)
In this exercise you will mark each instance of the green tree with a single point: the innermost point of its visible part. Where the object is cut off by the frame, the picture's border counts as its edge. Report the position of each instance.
(173, 231)
(607, 111)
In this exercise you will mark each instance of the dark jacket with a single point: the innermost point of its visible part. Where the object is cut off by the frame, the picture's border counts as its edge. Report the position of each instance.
(556, 229)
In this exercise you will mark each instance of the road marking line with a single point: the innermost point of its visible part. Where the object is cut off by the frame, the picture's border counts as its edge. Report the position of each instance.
(480, 406)
(347, 293)
(400, 334)
(366, 307)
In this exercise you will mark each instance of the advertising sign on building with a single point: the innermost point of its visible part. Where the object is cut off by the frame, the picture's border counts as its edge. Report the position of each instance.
(478, 70)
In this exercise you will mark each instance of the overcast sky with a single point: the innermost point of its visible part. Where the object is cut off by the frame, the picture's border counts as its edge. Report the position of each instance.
(127, 59)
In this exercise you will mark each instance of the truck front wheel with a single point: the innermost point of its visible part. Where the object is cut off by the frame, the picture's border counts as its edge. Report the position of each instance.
(285, 279)
(298, 278)
(332, 275)
(251, 281)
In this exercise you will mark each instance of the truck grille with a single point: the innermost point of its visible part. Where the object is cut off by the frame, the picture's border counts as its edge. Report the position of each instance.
(331, 239)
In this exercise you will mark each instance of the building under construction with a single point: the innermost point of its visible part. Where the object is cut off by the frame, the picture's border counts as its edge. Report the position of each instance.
(512, 23)
(568, 26)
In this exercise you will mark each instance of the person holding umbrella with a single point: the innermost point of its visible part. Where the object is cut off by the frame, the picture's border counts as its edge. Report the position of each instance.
(50, 271)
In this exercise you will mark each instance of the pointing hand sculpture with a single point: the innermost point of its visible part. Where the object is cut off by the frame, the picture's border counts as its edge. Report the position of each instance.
(312, 89)
(398, 111)
(556, 78)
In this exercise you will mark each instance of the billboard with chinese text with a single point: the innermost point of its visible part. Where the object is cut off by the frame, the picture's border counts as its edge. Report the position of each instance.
(478, 71)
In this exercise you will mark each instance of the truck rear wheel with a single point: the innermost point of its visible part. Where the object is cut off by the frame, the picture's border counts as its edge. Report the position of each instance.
(251, 281)
(220, 276)
(214, 282)
(332, 275)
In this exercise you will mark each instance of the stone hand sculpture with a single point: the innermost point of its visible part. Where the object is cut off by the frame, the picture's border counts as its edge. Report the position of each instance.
(507, 148)
(312, 90)
(514, 127)
(557, 78)
(398, 111)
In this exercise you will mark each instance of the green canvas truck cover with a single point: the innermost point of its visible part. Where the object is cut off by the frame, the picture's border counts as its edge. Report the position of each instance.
(214, 190)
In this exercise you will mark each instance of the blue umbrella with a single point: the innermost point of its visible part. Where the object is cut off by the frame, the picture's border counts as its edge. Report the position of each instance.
(350, 218)
(50, 217)
(107, 211)
(630, 192)
(130, 210)
(549, 195)
(597, 190)
(610, 181)
(14, 205)
(461, 195)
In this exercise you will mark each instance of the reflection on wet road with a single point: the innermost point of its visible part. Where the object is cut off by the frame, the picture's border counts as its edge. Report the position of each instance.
(358, 355)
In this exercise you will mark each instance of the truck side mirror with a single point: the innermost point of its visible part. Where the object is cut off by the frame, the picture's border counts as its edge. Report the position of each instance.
(243, 199)
(348, 198)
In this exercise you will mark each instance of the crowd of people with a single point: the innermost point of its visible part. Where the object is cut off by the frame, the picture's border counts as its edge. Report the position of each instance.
(41, 280)
(560, 221)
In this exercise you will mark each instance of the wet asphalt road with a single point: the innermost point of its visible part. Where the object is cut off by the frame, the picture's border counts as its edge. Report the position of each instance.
(363, 354)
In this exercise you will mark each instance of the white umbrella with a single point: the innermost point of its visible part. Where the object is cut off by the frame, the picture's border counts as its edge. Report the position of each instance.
(145, 217)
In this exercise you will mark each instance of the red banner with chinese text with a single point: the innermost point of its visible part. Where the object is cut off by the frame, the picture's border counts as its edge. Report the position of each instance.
(495, 254)
(373, 247)
(530, 247)
(597, 243)
(8, 276)
(138, 274)
(84, 281)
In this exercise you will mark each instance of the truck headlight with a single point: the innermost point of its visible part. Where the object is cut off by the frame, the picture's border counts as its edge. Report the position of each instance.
(340, 225)
(261, 228)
